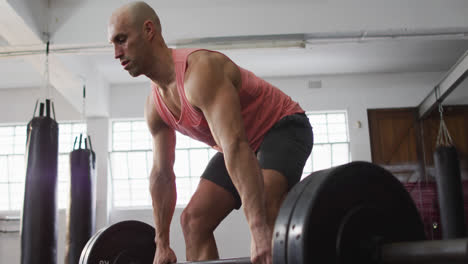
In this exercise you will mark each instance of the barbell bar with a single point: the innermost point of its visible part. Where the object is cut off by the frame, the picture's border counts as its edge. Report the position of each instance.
(435, 251)
(353, 213)
(245, 260)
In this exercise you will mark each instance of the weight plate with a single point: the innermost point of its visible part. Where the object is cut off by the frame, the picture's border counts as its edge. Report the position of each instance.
(354, 191)
(124, 242)
(360, 235)
(280, 232)
(85, 251)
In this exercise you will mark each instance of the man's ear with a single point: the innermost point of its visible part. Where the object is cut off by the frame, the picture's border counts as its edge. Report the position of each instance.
(148, 29)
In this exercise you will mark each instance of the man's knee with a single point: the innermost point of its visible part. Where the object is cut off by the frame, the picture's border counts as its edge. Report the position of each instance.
(275, 190)
(186, 220)
(193, 223)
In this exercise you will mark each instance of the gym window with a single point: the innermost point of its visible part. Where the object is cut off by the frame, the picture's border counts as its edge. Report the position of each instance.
(331, 141)
(131, 160)
(12, 167)
(12, 164)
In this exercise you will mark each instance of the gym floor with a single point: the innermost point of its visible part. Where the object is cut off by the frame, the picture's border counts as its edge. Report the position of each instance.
(338, 60)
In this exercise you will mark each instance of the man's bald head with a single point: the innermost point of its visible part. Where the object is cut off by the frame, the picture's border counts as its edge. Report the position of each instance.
(135, 14)
(135, 32)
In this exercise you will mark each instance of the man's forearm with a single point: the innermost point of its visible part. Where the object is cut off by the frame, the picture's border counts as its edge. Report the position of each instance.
(246, 175)
(163, 193)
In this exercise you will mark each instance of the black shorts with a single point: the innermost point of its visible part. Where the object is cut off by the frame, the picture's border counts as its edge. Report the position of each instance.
(285, 148)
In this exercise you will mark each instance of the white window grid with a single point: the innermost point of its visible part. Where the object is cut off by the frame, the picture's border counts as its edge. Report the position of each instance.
(12, 172)
(13, 164)
(131, 160)
(331, 141)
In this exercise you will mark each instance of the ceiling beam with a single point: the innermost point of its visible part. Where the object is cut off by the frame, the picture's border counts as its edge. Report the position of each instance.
(14, 29)
(33, 13)
(456, 75)
(18, 29)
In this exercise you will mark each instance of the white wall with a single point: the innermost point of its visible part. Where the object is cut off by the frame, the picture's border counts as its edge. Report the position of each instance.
(354, 93)
(128, 101)
(17, 105)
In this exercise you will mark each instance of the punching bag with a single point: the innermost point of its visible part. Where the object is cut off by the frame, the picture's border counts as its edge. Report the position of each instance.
(38, 222)
(81, 215)
(450, 192)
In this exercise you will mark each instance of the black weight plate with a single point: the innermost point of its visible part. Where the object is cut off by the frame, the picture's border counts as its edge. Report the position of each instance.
(85, 251)
(361, 234)
(124, 242)
(282, 222)
(280, 232)
(321, 210)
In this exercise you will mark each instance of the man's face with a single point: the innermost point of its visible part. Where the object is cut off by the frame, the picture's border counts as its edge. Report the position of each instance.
(128, 44)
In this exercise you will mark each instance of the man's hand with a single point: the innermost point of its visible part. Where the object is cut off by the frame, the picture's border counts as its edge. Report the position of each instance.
(164, 255)
(261, 249)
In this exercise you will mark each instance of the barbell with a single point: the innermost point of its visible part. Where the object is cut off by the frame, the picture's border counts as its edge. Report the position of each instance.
(353, 213)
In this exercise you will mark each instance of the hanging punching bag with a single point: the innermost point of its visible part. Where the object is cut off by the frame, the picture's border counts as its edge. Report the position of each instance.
(38, 222)
(450, 192)
(82, 202)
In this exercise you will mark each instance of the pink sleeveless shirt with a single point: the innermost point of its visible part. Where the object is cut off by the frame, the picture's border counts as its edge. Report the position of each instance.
(262, 105)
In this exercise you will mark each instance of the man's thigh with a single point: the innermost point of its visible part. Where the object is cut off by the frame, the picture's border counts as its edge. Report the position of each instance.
(217, 173)
(286, 147)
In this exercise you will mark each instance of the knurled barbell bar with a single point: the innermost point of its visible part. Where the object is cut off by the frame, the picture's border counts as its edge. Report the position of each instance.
(353, 213)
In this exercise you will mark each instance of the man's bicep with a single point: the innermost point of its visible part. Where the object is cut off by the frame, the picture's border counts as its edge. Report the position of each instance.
(223, 114)
(164, 141)
(163, 138)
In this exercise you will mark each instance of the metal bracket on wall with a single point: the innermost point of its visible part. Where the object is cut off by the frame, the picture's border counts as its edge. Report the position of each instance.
(5, 227)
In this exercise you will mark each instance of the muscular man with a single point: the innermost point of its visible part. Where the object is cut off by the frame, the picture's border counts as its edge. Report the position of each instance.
(263, 137)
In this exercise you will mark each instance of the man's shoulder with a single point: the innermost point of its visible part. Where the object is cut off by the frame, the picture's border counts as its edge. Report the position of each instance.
(206, 67)
(202, 64)
(202, 56)
(204, 72)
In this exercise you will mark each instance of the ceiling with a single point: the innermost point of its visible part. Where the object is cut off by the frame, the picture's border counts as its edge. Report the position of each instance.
(270, 38)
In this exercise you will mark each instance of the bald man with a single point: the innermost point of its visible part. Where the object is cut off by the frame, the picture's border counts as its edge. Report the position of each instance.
(263, 137)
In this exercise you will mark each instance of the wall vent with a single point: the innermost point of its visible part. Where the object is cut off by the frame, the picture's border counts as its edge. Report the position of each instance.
(314, 84)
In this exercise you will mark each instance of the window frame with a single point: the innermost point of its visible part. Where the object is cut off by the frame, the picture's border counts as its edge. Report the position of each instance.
(308, 171)
(192, 145)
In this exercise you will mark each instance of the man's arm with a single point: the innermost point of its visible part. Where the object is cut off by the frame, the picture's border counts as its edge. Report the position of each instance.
(162, 178)
(210, 87)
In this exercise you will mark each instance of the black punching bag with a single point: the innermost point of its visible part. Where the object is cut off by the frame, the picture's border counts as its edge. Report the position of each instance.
(450, 192)
(81, 215)
(38, 222)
